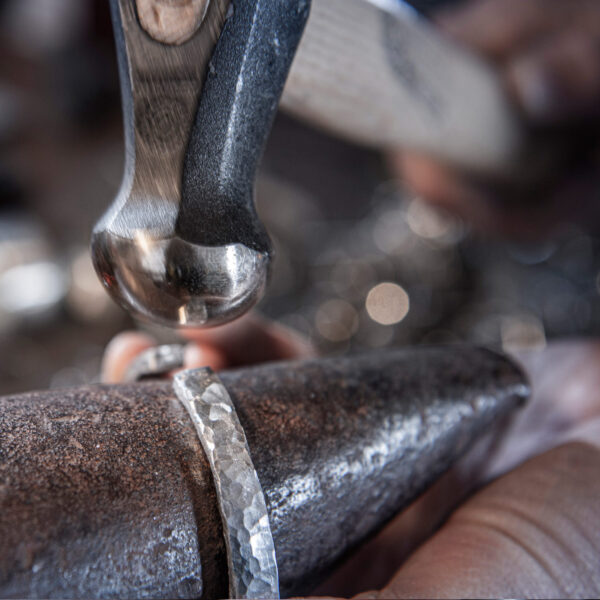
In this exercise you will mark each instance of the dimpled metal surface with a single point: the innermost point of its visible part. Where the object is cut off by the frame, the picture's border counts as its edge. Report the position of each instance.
(250, 551)
(105, 491)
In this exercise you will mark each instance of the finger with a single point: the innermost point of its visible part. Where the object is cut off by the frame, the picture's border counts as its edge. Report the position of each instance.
(203, 355)
(251, 340)
(533, 533)
(441, 185)
(479, 204)
(119, 353)
(501, 28)
(559, 79)
(501, 209)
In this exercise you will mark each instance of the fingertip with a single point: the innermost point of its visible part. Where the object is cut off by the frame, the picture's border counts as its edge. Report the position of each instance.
(559, 79)
(202, 355)
(425, 176)
(119, 353)
(250, 339)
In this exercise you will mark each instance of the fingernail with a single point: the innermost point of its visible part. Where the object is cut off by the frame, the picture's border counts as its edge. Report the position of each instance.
(120, 351)
(196, 356)
(535, 90)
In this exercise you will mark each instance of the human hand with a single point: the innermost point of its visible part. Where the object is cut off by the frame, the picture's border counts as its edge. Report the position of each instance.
(248, 340)
(547, 53)
(533, 533)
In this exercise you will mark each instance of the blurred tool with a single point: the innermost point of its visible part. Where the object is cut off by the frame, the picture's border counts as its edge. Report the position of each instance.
(376, 72)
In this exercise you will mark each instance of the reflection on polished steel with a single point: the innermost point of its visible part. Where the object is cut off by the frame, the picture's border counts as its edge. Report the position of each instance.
(155, 361)
(248, 538)
(171, 281)
(150, 267)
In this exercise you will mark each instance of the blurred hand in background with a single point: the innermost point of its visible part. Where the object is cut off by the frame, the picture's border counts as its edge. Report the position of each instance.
(548, 55)
(249, 340)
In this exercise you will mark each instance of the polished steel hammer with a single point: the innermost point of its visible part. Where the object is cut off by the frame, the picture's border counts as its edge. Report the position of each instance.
(181, 244)
(201, 80)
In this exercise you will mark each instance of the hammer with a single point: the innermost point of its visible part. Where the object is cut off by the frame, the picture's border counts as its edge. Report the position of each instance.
(201, 81)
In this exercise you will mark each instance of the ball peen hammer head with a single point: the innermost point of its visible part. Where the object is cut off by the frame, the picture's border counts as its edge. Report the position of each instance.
(182, 244)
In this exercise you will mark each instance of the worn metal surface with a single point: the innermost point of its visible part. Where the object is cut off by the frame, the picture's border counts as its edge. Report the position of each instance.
(105, 491)
(182, 244)
(251, 560)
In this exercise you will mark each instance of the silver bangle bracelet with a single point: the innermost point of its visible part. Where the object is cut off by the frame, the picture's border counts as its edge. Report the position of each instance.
(250, 550)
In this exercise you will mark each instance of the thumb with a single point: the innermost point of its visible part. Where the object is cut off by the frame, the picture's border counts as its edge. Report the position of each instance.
(533, 533)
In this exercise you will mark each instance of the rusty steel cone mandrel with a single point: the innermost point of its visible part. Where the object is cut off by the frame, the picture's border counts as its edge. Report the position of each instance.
(106, 491)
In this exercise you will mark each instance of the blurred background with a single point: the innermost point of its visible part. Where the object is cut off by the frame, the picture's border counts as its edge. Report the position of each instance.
(361, 263)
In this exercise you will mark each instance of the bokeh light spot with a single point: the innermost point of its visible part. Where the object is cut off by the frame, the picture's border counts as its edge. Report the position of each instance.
(336, 320)
(387, 303)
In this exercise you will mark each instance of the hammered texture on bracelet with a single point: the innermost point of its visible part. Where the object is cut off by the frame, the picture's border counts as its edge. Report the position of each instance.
(250, 549)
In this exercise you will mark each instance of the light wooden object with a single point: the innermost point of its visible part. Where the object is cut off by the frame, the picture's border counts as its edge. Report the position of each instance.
(388, 78)
(171, 21)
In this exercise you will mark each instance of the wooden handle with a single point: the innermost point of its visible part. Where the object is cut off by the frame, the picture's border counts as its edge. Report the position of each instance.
(171, 21)
(390, 79)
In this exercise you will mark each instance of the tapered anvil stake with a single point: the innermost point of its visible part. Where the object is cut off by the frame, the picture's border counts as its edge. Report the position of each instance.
(105, 491)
